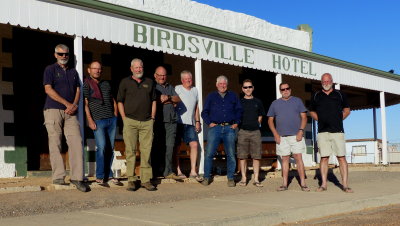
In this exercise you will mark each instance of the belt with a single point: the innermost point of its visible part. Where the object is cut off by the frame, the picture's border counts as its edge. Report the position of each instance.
(224, 124)
(287, 135)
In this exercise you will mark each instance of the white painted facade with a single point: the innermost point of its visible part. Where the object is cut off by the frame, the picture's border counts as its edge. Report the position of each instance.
(362, 151)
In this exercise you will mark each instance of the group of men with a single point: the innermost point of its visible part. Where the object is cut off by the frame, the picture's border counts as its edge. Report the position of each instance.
(156, 115)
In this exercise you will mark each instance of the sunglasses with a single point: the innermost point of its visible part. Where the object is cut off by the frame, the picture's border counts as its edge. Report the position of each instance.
(284, 89)
(247, 87)
(63, 54)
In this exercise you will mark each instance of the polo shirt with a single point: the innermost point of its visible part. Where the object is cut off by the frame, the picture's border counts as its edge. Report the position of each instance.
(137, 97)
(329, 109)
(287, 114)
(218, 109)
(165, 112)
(100, 109)
(64, 82)
(252, 109)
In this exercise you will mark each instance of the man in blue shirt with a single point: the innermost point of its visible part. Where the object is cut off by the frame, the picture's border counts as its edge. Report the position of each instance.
(222, 113)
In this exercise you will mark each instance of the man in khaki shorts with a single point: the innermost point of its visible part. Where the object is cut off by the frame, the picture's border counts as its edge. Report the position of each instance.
(330, 107)
(291, 119)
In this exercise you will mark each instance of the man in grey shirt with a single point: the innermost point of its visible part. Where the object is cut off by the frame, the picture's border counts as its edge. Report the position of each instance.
(291, 119)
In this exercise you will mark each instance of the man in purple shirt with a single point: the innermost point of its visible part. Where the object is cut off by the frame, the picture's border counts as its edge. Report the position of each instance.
(222, 113)
(62, 86)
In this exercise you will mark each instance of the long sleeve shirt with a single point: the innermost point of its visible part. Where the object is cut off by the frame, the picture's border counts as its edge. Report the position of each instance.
(218, 109)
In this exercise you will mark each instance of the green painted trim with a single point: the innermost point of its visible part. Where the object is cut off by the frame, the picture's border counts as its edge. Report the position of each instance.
(309, 149)
(149, 17)
(19, 158)
(90, 156)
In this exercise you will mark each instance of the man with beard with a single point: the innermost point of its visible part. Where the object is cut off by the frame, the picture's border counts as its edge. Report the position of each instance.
(330, 107)
(137, 105)
(62, 86)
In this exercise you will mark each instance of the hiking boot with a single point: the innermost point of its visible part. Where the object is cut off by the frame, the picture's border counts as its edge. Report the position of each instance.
(231, 183)
(59, 182)
(205, 182)
(80, 185)
(173, 176)
(132, 186)
(149, 186)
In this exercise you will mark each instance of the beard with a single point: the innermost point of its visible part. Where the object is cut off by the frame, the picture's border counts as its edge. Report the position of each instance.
(139, 75)
(63, 62)
(327, 87)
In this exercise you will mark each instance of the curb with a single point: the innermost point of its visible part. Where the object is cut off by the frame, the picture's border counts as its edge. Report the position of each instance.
(8, 190)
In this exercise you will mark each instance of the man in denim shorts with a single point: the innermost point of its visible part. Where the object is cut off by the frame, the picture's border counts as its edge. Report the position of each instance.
(330, 107)
(291, 119)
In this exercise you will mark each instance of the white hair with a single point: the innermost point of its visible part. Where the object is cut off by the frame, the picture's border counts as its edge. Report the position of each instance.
(222, 77)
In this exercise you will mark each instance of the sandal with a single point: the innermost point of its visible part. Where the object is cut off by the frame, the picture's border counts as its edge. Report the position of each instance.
(258, 184)
(242, 183)
(182, 176)
(116, 182)
(282, 188)
(305, 188)
(321, 189)
(99, 181)
(347, 190)
(196, 177)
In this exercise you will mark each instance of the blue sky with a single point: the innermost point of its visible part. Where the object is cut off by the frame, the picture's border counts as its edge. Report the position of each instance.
(365, 32)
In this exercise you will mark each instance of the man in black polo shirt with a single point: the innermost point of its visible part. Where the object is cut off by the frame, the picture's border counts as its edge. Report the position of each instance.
(137, 105)
(330, 107)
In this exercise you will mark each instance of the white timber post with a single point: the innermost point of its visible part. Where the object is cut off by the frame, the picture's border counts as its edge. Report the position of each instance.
(199, 85)
(278, 81)
(383, 124)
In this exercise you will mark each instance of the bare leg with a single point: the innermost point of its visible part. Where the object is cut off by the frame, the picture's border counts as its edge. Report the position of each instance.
(324, 171)
(285, 170)
(193, 157)
(243, 169)
(256, 169)
(300, 168)
(344, 172)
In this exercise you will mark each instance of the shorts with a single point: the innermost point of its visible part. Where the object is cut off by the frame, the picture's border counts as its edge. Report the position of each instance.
(187, 133)
(331, 143)
(289, 145)
(249, 143)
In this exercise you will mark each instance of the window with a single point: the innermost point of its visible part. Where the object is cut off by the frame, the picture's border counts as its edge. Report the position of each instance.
(360, 150)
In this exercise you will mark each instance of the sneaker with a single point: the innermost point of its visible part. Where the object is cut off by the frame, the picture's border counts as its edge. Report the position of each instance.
(231, 183)
(59, 182)
(132, 186)
(80, 185)
(205, 182)
(173, 176)
(149, 186)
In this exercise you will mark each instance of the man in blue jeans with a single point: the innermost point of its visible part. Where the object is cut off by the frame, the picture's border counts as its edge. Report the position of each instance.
(101, 113)
(222, 113)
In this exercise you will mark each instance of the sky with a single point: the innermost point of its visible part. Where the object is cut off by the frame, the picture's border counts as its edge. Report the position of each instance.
(365, 32)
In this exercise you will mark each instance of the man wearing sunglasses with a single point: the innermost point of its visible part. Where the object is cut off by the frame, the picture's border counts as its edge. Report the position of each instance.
(62, 86)
(290, 118)
(249, 135)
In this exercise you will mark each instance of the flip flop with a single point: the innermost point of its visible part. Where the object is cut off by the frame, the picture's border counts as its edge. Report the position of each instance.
(242, 183)
(182, 176)
(258, 184)
(321, 189)
(116, 182)
(305, 188)
(196, 177)
(282, 188)
(347, 190)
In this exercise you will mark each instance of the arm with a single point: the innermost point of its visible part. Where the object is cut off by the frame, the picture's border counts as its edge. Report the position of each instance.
(300, 133)
(115, 108)
(121, 110)
(153, 109)
(346, 112)
(55, 96)
(273, 130)
(238, 113)
(205, 114)
(197, 119)
(314, 115)
(91, 123)
(259, 119)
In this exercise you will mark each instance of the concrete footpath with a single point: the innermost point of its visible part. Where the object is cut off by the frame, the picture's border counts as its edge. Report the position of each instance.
(266, 208)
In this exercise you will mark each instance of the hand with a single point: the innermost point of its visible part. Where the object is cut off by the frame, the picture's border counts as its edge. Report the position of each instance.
(198, 127)
(163, 98)
(71, 109)
(234, 126)
(92, 125)
(299, 135)
(277, 139)
(212, 125)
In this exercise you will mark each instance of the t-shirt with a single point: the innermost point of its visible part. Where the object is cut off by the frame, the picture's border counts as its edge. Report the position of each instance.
(100, 109)
(64, 82)
(186, 109)
(287, 115)
(329, 109)
(165, 112)
(252, 109)
(137, 97)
